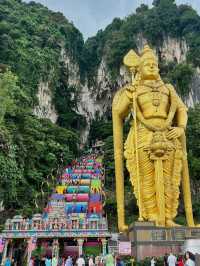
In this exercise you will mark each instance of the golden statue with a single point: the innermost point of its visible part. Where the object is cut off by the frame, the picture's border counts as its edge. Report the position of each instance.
(155, 149)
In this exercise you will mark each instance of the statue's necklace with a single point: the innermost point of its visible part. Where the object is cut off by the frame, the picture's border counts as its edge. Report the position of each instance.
(156, 93)
(156, 97)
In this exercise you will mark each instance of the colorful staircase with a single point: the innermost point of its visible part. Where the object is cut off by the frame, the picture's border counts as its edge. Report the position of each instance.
(75, 208)
(79, 195)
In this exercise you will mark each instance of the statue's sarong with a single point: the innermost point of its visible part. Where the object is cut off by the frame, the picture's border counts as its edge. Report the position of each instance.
(172, 166)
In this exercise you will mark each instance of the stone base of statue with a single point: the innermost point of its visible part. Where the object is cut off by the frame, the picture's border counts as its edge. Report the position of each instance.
(149, 240)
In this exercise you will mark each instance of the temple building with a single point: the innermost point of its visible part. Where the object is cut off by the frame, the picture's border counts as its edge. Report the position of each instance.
(73, 222)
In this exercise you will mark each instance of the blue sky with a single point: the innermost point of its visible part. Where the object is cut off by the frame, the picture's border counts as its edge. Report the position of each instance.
(91, 15)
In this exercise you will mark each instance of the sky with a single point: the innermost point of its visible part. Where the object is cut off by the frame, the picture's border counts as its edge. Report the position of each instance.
(89, 16)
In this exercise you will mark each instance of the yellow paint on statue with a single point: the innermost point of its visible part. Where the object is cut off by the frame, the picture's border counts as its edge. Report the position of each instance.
(155, 149)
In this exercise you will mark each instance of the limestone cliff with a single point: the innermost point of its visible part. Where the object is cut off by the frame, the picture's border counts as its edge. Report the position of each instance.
(91, 72)
(95, 101)
(45, 107)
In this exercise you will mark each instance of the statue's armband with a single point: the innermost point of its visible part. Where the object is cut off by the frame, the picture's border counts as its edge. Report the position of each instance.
(120, 100)
(181, 109)
(175, 97)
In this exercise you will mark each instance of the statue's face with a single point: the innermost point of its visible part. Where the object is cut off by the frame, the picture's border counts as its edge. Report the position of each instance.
(149, 70)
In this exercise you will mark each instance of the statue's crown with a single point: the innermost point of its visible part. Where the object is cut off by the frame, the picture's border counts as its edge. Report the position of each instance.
(148, 53)
(133, 61)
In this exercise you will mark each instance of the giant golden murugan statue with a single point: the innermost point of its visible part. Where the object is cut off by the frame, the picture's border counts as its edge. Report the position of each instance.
(155, 149)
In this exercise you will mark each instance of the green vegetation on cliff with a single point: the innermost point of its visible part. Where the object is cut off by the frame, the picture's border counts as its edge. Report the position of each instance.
(33, 150)
(164, 20)
(31, 40)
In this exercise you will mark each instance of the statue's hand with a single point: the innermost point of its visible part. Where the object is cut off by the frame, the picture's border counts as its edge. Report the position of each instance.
(175, 133)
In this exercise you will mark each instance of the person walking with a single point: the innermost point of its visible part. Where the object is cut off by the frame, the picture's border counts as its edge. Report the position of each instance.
(36, 262)
(109, 260)
(165, 259)
(180, 261)
(91, 261)
(31, 262)
(60, 261)
(69, 261)
(63, 261)
(8, 262)
(189, 261)
(101, 261)
(54, 261)
(171, 260)
(48, 261)
(80, 261)
(153, 261)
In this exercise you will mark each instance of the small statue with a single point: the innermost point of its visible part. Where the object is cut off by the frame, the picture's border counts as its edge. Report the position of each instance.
(155, 149)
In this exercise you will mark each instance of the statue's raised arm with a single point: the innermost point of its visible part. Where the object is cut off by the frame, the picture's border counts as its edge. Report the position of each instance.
(155, 149)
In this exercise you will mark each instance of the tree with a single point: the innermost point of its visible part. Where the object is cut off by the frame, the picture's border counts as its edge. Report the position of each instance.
(160, 2)
(8, 92)
(181, 77)
(193, 142)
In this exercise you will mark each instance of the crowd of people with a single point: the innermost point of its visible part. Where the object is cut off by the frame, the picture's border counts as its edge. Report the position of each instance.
(109, 260)
(100, 260)
(171, 260)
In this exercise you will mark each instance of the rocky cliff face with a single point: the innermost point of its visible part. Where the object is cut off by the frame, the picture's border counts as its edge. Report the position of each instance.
(95, 101)
(194, 94)
(171, 49)
(45, 107)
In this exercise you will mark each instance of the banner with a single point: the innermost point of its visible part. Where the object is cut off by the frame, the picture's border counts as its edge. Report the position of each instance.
(124, 248)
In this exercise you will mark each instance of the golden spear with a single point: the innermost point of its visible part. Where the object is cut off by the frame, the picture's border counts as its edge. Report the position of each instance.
(131, 60)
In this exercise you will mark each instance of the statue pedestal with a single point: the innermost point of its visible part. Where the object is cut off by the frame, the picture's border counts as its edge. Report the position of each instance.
(140, 231)
(149, 240)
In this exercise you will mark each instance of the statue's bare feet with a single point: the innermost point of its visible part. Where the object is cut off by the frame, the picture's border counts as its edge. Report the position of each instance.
(153, 218)
(171, 223)
(123, 228)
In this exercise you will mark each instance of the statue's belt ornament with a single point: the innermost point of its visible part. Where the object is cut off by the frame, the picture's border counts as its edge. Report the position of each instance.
(159, 146)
